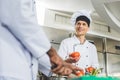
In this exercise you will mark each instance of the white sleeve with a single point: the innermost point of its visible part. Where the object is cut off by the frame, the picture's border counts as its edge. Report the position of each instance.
(45, 61)
(18, 16)
(95, 62)
(63, 50)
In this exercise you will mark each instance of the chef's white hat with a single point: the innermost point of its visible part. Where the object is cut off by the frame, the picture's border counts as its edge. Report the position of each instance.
(78, 14)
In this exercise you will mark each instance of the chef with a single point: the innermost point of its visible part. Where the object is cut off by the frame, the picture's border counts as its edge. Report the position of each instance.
(78, 43)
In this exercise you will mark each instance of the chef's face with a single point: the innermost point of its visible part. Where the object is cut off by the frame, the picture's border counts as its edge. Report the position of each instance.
(81, 28)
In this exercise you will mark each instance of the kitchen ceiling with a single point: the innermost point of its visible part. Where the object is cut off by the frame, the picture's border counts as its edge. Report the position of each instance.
(67, 5)
(110, 11)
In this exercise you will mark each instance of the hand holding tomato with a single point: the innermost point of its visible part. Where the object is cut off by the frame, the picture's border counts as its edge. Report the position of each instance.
(74, 57)
(75, 54)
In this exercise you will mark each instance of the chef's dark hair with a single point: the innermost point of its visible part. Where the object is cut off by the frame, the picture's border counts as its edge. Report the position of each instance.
(83, 18)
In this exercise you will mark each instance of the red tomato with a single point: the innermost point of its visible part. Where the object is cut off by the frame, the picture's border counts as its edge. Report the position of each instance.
(90, 69)
(79, 73)
(75, 54)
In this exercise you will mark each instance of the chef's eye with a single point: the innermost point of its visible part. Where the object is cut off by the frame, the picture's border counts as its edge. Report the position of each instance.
(84, 24)
(78, 23)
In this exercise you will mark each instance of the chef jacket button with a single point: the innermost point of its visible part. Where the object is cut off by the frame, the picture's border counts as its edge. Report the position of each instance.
(31, 65)
(86, 65)
(87, 56)
(86, 47)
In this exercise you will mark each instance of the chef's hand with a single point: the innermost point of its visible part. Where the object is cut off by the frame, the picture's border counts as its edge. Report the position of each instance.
(72, 67)
(67, 69)
(64, 71)
(56, 61)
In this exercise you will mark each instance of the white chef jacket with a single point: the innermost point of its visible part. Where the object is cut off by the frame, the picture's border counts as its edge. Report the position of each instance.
(88, 52)
(23, 43)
